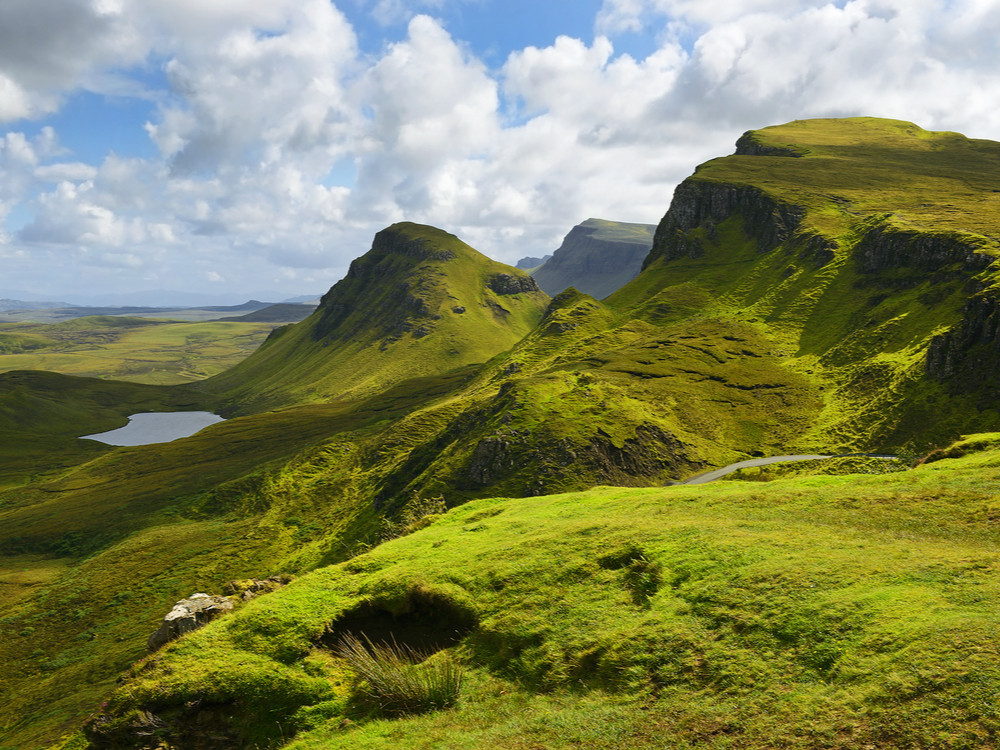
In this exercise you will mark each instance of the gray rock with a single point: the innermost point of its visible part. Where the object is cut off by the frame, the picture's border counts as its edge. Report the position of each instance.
(187, 615)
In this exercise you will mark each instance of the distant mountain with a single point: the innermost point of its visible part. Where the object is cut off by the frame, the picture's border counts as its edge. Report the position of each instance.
(526, 264)
(20, 304)
(597, 257)
(171, 299)
(280, 313)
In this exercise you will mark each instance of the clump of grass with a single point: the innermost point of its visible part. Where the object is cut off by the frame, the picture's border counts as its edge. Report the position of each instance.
(397, 678)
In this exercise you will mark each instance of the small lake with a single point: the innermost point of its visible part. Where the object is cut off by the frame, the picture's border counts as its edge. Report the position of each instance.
(157, 427)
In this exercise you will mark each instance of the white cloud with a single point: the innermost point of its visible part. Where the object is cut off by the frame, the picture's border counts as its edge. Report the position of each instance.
(282, 148)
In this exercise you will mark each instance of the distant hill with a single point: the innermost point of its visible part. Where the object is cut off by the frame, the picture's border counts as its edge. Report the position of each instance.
(58, 312)
(529, 263)
(280, 313)
(20, 304)
(596, 257)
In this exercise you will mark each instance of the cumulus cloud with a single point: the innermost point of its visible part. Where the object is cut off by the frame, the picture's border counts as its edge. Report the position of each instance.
(282, 148)
(50, 46)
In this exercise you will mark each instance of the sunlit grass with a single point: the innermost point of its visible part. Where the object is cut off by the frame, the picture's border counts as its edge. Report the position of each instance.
(400, 679)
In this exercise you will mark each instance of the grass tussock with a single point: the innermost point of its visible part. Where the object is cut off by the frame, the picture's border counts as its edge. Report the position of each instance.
(401, 680)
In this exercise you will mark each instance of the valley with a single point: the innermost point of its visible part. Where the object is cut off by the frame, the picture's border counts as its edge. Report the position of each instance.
(443, 447)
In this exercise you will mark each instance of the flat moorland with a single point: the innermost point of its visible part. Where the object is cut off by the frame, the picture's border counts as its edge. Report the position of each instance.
(137, 350)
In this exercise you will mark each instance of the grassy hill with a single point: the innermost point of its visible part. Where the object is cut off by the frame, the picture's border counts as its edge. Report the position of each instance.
(835, 612)
(827, 288)
(420, 302)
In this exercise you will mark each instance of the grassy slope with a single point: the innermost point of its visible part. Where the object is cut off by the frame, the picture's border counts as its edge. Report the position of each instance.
(113, 543)
(825, 611)
(860, 336)
(381, 341)
(215, 495)
(43, 413)
(130, 349)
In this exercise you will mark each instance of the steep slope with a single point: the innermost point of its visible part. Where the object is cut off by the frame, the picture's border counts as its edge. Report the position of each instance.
(596, 257)
(869, 247)
(420, 302)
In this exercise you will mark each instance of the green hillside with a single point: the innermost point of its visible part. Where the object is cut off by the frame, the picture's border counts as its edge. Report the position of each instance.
(829, 288)
(835, 612)
(420, 302)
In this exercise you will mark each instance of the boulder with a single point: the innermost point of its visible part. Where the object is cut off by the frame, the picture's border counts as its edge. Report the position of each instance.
(187, 615)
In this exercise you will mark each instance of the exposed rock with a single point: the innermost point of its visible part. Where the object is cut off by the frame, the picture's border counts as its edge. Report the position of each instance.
(187, 615)
(969, 352)
(491, 460)
(503, 284)
(886, 247)
(651, 453)
(702, 204)
(748, 145)
(525, 263)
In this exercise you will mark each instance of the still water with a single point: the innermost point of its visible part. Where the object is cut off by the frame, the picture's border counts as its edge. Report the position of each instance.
(157, 427)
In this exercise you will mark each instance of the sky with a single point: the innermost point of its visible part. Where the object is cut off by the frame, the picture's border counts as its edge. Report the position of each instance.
(252, 148)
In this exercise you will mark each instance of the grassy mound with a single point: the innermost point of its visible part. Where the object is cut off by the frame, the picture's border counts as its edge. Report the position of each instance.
(827, 611)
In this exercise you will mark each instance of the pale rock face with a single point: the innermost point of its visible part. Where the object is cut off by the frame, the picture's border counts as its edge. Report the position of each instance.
(187, 615)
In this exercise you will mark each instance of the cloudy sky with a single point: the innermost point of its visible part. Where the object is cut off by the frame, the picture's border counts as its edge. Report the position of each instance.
(253, 147)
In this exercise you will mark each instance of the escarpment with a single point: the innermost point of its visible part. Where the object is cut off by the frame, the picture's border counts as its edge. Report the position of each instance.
(968, 354)
(701, 205)
(885, 247)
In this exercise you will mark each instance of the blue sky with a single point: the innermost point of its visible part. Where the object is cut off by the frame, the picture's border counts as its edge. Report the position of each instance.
(253, 147)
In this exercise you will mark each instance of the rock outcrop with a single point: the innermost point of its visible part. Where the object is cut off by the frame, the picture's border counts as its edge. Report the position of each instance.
(187, 615)
(885, 247)
(700, 205)
(505, 283)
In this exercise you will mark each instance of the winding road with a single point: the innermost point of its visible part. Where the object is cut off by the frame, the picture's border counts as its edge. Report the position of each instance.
(710, 476)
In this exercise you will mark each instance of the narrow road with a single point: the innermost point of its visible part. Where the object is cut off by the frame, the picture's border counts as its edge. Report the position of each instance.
(710, 476)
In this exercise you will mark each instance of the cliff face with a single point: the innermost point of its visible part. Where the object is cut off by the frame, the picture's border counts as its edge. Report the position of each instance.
(596, 257)
(702, 205)
(968, 354)
(886, 247)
